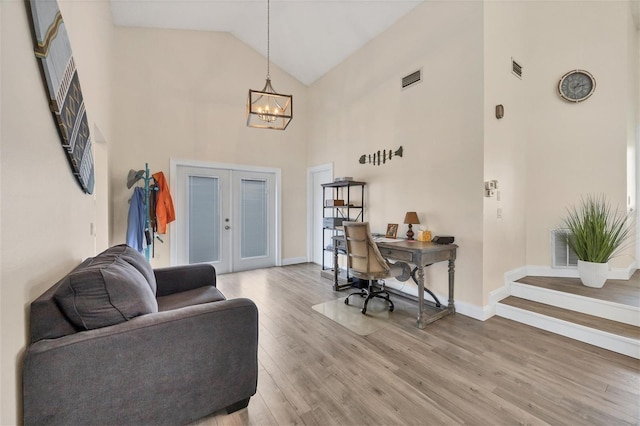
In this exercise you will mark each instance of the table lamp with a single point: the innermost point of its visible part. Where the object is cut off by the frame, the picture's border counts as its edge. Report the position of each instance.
(411, 218)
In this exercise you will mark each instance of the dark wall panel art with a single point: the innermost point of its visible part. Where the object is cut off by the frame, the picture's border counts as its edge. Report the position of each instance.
(53, 50)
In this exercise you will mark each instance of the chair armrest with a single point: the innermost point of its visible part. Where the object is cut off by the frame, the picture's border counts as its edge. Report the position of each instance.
(175, 279)
(169, 367)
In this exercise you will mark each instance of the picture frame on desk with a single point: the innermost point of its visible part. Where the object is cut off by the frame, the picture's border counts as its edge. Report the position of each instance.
(392, 230)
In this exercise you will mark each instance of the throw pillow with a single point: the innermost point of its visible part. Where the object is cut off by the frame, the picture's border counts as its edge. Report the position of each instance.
(107, 291)
(134, 258)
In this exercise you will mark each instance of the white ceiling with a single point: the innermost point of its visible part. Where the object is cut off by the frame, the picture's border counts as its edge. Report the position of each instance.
(308, 37)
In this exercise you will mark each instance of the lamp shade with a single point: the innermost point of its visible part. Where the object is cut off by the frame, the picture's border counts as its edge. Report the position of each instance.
(411, 218)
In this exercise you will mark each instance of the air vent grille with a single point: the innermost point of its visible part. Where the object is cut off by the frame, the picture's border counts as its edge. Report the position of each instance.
(563, 256)
(411, 79)
(516, 68)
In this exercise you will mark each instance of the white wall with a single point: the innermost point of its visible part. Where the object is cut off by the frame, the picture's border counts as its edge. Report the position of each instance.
(44, 217)
(182, 94)
(547, 153)
(574, 149)
(359, 109)
(633, 105)
(505, 141)
(2, 391)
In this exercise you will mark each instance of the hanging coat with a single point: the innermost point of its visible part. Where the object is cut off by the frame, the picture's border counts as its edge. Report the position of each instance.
(164, 207)
(136, 220)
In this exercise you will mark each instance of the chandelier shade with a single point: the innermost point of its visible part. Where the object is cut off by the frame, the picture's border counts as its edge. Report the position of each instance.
(267, 109)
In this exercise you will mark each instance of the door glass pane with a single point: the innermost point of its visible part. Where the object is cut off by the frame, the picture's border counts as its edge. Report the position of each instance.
(254, 241)
(204, 219)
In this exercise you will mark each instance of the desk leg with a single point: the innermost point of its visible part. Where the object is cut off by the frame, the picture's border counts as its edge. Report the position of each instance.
(421, 318)
(452, 267)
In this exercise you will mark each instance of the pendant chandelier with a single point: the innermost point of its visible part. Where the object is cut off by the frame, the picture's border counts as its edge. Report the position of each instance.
(267, 109)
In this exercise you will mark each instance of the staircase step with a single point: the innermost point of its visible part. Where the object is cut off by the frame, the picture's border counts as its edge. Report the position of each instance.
(613, 327)
(573, 296)
(612, 335)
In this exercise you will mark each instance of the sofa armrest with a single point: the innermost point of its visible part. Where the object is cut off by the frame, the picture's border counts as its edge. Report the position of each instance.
(170, 367)
(175, 279)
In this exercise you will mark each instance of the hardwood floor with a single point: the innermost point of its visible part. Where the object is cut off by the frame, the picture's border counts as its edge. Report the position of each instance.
(626, 292)
(457, 370)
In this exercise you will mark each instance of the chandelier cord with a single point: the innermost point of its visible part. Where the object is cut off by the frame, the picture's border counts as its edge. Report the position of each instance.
(268, 40)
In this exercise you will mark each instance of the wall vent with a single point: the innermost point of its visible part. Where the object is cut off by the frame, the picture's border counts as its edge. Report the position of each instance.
(516, 68)
(562, 255)
(411, 79)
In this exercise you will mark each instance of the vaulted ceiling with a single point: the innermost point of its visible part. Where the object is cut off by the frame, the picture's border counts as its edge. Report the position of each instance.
(307, 37)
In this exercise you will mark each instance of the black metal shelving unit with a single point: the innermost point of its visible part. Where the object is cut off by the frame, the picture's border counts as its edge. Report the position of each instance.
(332, 216)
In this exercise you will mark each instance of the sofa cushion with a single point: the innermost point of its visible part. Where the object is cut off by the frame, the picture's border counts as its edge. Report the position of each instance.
(107, 291)
(195, 296)
(135, 259)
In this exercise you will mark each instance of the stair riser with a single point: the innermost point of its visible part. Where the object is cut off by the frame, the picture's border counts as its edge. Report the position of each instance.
(612, 342)
(599, 308)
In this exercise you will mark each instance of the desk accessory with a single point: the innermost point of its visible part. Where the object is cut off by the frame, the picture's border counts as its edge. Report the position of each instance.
(411, 218)
(424, 235)
(446, 239)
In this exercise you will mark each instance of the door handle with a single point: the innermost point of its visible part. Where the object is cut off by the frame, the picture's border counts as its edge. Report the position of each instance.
(227, 227)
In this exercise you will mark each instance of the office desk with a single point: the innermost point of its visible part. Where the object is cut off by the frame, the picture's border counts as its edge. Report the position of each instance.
(421, 254)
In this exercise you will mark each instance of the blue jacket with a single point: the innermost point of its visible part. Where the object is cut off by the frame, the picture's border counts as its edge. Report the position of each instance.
(137, 220)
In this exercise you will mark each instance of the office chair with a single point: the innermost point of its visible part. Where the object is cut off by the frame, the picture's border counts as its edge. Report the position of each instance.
(366, 263)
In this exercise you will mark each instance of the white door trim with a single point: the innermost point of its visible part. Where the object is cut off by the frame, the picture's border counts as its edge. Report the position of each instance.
(174, 163)
(310, 171)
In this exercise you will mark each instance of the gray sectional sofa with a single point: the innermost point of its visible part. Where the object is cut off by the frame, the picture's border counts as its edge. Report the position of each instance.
(116, 342)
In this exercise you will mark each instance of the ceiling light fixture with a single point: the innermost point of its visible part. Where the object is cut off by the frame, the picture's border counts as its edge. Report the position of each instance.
(267, 109)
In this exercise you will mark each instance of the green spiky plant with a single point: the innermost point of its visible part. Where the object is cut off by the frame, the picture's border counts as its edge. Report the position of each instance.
(596, 233)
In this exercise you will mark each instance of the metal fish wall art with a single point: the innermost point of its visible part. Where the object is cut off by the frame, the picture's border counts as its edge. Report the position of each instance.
(380, 157)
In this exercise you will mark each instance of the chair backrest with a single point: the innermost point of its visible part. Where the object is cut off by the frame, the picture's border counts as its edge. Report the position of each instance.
(364, 258)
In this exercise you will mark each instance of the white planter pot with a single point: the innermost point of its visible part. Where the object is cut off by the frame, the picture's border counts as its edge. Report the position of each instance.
(593, 274)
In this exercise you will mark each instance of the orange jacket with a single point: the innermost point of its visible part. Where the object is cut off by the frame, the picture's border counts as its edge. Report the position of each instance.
(164, 204)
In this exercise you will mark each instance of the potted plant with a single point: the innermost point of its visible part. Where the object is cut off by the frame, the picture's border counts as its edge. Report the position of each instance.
(596, 233)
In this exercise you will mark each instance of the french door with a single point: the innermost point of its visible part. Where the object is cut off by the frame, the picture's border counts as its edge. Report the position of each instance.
(225, 217)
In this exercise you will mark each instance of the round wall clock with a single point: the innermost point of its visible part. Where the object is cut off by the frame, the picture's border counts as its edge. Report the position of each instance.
(576, 86)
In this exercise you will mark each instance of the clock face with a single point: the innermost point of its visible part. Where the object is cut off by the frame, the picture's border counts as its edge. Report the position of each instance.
(576, 86)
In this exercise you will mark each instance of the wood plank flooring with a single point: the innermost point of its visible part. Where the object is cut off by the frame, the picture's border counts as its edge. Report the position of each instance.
(458, 370)
(626, 292)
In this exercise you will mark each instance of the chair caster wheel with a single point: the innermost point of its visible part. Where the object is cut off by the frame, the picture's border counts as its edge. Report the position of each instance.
(391, 309)
(346, 301)
(364, 311)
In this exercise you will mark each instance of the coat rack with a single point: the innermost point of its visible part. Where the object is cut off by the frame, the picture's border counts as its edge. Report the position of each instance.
(147, 219)
(146, 177)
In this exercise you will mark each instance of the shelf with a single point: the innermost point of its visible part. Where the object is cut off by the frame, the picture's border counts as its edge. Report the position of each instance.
(330, 249)
(343, 184)
(332, 215)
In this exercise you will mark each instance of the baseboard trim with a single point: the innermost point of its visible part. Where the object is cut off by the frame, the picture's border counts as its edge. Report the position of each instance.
(463, 308)
(293, 261)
